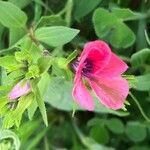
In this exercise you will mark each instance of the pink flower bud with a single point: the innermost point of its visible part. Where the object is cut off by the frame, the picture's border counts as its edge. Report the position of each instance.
(20, 89)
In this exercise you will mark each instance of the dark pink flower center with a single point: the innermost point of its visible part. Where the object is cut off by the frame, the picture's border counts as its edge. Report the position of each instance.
(86, 70)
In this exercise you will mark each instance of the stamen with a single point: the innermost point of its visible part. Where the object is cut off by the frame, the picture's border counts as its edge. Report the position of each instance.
(74, 65)
(86, 71)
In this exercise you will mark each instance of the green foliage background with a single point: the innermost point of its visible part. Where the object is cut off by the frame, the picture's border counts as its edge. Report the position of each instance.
(45, 36)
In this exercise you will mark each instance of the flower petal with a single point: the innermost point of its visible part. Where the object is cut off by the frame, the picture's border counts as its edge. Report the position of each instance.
(98, 52)
(20, 89)
(115, 67)
(82, 96)
(112, 92)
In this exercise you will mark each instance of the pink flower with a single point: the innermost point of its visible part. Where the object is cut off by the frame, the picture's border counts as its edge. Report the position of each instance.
(20, 89)
(101, 69)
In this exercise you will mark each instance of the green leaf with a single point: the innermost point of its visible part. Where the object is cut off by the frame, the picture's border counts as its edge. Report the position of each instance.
(83, 7)
(41, 104)
(7, 134)
(140, 58)
(44, 83)
(35, 52)
(143, 83)
(115, 125)
(27, 129)
(3, 102)
(58, 94)
(100, 134)
(15, 34)
(44, 63)
(22, 56)
(9, 62)
(35, 141)
(32, 109)
(126, 14)
(136, 132)
(13, 117)
(89, 143)
(11, 16)
(52, 20)
(20, 3)
(55, 36)
(33, 72)
(94, 121)
(108, 26)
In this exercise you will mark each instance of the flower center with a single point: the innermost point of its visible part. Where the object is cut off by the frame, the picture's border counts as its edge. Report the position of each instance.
(86, 70)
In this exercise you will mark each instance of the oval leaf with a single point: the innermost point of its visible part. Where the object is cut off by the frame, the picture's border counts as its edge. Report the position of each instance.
(11, 15)
(109, 27)
(55, 36)
(143, 82)
(140, 58)
(136, 132)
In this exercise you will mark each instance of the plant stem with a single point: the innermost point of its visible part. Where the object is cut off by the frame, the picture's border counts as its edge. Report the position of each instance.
(140, 108)
(69, 7)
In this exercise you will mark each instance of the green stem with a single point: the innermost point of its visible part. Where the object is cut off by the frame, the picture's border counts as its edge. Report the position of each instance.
(44, 5)
(142, 16)
(69, 7)
(147, 38)
(140, 108)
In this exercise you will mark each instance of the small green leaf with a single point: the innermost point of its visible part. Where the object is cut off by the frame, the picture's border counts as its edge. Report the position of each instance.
(52, 20)
(33, 72)
(40, 103)
(32, 109)
(126, 14)
(15, 34)
(136, 132)
(140, 58)
(83, 8)
(35, 52)
(11, 15)
(109, 27)
(13, 117)
(143, 83)
(22, 56)
(100, 134)
(9, 62)
(21, 4)
(3, 102)
(35, 141)
(115, 125)
(94, 121)
(90, 143)
(55, 36)
(44, 63)
(7, 134)
(44, 83)
(61, 62)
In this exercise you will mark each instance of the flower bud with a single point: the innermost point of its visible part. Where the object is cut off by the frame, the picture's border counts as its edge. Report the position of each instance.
(20, 89)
